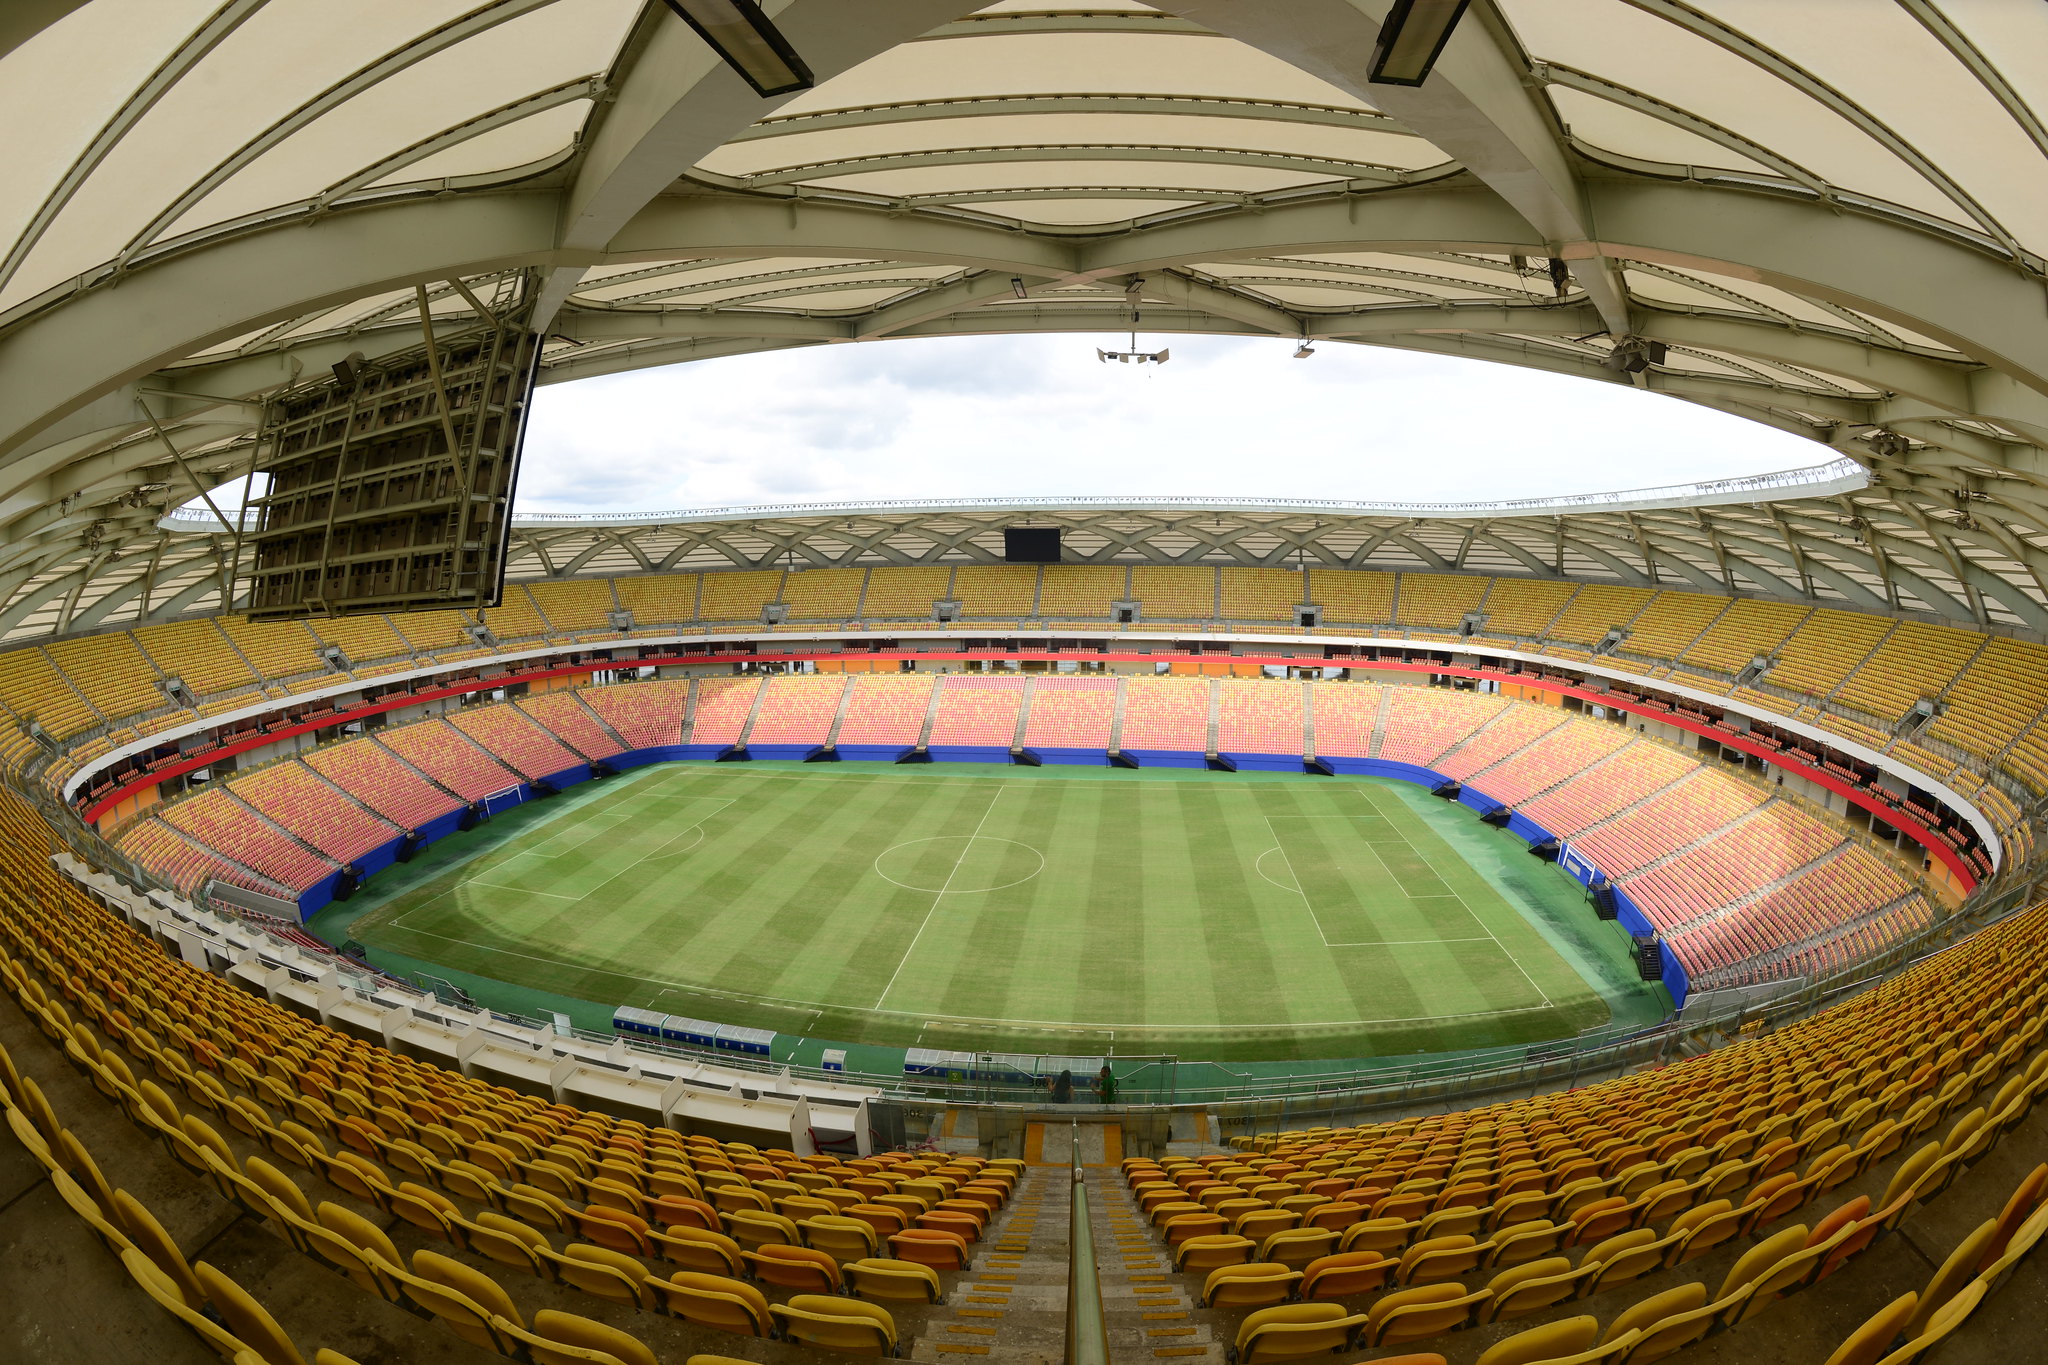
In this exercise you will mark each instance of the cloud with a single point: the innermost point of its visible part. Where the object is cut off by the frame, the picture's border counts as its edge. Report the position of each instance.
(1037, 416)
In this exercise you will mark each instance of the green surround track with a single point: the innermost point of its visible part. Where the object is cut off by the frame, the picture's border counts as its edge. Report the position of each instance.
(1225, 916)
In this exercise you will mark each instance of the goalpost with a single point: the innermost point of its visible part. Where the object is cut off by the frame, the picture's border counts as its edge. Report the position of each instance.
(501, 800)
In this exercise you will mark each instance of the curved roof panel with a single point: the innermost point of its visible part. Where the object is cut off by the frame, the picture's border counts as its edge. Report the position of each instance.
(1830, 217)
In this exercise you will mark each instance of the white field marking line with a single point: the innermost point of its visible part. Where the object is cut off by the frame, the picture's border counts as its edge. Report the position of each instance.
(939, 897)
(1541, 993)
(1067, 1025)
(1306, 903)
(696, 828)
(523, 890)
(976, 891)
(1259, 866)
(1408, 943)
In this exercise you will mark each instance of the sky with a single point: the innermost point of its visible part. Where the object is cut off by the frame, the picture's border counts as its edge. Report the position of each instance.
(1039, 416)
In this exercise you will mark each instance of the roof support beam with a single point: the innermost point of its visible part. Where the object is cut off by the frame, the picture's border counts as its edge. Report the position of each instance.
(678, 101)
(1477, 106)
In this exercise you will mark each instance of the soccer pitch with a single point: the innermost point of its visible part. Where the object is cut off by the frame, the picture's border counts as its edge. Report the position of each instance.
(1041, 910)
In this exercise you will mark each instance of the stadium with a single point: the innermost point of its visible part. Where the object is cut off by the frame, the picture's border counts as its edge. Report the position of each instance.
(1598, 927)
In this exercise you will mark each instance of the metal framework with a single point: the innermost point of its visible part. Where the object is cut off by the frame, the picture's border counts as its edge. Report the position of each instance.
(1837, 230)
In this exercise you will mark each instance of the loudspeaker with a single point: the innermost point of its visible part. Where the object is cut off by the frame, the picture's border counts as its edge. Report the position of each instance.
(1031, 544)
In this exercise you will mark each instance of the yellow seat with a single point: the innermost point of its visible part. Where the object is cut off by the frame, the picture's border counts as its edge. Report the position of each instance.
(158, 1286)
(713, 1253)
(1345, 1274)
(1296, 1247)
(848, 1325)
(465, 1300)
(1248, 1286)
(246, 1318)
(553, 1331)
(1206, 1253)
(878, 1277)
(1551, 1341)
(752, 1229)
(795, 1268)
(1440, 1258)
(600, 1271)
(1295, 1331)
(1533, 1287)
(1412, 1314)
(715, 1301)
(1869, 1342)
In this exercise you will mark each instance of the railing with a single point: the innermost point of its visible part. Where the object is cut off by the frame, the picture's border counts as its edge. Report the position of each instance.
(1087, 1337)
(1836, 476)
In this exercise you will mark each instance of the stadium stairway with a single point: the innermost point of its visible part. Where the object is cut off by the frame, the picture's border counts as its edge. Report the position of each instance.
(1011, 1307)
(1145, 1306)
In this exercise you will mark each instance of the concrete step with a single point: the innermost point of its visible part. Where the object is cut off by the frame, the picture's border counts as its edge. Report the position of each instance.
(1011, 1307)
(1145, 1305)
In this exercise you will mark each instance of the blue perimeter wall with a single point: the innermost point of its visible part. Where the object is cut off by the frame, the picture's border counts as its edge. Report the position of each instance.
(1570, 859)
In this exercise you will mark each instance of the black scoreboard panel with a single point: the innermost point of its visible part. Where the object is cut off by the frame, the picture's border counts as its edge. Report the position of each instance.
(1031, 544)
(391, 479)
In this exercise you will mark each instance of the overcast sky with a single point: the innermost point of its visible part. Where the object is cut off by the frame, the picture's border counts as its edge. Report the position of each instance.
(1038, 416)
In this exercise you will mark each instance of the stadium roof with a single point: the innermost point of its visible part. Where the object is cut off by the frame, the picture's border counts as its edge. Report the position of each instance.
(1832, 215)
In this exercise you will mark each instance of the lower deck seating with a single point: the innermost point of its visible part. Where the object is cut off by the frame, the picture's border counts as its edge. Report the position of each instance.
(644, 714)
(563, 715)
(1260, 717)
(1603, 792)
(1071, 713)
(1423, 722)
(1513, 731)
(1345, 715)
(216, 820)
(886, 709)
(1774, 841)
(1555, 757)
(1668, 820)
(1166, 713)
(511, 735)
(723, 705)
(186, 864)
(980, 712)
(449, 757)
(798, 710)
(370, 773)
(314, 809)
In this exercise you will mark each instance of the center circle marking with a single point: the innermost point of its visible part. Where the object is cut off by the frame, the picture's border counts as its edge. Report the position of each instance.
(955, 880)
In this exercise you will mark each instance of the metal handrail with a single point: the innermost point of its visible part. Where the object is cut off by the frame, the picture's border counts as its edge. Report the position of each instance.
(1087, 1336)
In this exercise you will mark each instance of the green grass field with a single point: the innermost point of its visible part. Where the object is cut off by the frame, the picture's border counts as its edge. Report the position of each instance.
(1064, 910)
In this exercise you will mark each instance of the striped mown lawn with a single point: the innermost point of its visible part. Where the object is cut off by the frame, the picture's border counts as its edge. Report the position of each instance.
(998, 908)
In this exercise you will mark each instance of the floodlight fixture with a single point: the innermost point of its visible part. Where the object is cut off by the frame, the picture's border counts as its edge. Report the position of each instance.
(741, 34)
(1411, 40)
(1017, 287)
(1305, 350)
(1633, 355)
